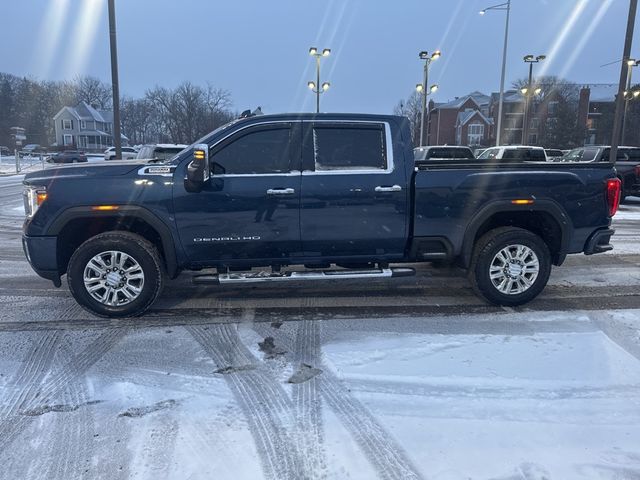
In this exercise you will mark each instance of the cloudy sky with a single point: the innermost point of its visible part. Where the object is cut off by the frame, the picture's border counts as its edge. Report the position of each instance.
(258, 49)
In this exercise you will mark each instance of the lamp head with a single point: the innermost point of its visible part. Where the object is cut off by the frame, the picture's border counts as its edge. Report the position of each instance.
(436, 55)
(419, 88)
(433, 88)
(311, 85)
(539, 58)
(326, 52)
(313, 51)
(524, 90)
(482, 12)
(528, 58)
(423, 55)
(325, 86)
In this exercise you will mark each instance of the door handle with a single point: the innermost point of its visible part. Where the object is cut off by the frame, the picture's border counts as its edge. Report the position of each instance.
(281, 191)
(395, 188)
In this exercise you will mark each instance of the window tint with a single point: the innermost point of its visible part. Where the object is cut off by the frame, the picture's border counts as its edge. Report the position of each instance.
(537, 155)
(515, 154)
(628, 154)
(162, 153)
(262, 151)
(441, 153)
(349, 148)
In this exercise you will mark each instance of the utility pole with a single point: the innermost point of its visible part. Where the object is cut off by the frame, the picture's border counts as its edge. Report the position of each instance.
(525, 119)
(117, 139)
(617, 121)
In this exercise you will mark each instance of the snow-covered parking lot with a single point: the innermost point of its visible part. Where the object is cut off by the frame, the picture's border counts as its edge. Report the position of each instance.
(406, 378)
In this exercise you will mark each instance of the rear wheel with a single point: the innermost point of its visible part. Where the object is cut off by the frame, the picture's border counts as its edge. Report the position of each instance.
(116, 274)
(510, 266)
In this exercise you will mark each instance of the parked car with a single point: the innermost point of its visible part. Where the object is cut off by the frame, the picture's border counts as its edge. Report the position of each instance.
(627, 165)
(128, 153)
(32, 149)
(68, 156)
(514, 153)
(553, 154)
(444, 152)
(309, 190)
(160, 151)
(478, 151)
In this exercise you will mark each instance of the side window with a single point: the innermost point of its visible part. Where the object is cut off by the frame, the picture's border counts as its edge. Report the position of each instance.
(257, 152)
(346, 147)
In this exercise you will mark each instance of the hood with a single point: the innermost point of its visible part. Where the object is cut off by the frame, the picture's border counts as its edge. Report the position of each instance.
(98, 169)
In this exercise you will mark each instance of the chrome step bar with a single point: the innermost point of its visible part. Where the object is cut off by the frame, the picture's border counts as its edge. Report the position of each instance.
(262, 276)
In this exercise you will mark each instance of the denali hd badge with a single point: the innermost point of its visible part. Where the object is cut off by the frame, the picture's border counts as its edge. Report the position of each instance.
(226, 239)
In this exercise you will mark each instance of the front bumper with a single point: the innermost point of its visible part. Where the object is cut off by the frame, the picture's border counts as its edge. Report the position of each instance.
(598, 242)
(42, 256)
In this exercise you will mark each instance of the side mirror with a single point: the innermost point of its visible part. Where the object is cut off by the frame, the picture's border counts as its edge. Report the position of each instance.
(198, 169)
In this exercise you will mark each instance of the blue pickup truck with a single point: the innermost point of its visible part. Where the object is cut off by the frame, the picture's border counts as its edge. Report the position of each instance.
(309, 197)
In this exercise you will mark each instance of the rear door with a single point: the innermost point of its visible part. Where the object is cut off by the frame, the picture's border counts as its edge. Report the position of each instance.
(354, 199)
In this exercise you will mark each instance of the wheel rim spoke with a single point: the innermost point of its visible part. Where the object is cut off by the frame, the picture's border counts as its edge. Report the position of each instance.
(113, 278)
(514, 269)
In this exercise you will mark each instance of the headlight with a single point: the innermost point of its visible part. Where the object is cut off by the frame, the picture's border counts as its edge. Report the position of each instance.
(33, 198)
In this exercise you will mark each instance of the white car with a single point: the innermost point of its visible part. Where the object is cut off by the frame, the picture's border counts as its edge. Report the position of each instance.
(160, 151)
(128, 153)
(515, 153)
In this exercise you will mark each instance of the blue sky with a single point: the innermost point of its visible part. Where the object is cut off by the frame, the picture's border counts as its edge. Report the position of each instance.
(258, 49)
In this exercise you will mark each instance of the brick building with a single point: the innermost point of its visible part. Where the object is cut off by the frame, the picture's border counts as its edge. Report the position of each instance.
(462, 121)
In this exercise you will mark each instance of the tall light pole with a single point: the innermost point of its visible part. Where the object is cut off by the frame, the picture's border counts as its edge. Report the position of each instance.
(117, 139)
(628, 94)
(528, 92)
(501, 6)
(427, 61)
(315, 87)
(626, 54)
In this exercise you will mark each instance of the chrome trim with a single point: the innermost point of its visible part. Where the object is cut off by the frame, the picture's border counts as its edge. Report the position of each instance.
(281, 191)
(388, 144)
(169, 173)
(258, 277)
(292, 173)
(394, 188)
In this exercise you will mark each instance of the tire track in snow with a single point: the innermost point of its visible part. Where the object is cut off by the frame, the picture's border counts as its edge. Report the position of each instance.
(265, 404)
(382, 451)
(36, 394)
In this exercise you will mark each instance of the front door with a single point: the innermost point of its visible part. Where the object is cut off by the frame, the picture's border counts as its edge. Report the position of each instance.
(354, 200)
(249, 209)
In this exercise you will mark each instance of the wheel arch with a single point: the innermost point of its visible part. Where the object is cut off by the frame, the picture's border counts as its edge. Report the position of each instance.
(545, 218)
(77, 224)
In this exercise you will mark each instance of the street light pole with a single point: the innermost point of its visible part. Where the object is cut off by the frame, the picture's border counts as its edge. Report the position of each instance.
(315, 87)
(114, 81)
(617, 120)
(502, 6)
(422, 88)
(528, 92)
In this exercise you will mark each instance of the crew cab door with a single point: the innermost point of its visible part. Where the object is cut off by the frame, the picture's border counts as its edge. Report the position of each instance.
(354, 199)
(249, 208)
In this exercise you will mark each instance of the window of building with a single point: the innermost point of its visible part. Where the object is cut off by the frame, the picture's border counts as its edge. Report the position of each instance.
(257, 152)
(83, 125)
(82, 142)
(67, 124)
(552, 108)
(67, 139)
(535, 123)
(475, 134)
(533, 139)
(348, 147)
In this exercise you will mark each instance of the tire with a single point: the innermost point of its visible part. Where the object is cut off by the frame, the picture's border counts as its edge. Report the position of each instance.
(513, 283)
(126, 292)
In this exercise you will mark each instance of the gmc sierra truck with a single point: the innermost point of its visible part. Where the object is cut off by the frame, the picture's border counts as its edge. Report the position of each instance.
(309, 197)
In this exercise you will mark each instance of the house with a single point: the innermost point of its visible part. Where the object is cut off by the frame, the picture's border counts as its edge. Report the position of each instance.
(462, 121)
(84, 127)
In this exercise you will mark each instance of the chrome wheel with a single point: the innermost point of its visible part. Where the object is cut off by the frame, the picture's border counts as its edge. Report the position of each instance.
(113, 278)
(514, 269)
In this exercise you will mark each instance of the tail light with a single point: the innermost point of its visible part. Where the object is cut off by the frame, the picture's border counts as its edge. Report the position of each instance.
(613, 195)
(638, 172)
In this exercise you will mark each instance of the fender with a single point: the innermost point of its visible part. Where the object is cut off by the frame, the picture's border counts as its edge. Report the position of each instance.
(123, 211)
(502, 206)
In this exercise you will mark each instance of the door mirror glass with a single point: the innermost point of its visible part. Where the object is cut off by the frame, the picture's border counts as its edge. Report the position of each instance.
(198, 169)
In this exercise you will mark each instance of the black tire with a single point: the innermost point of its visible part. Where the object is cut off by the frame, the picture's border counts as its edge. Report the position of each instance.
(486, 249)
(138, 248)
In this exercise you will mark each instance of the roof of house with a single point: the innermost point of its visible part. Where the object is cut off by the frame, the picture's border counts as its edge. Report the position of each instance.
(478, 97)
(468, 114)
(84, 111)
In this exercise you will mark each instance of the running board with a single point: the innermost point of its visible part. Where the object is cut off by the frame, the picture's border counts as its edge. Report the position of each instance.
(255, 277)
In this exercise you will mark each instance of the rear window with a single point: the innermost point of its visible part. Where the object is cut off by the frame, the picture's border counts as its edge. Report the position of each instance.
(162, 153)
(449, 153)
(537, 155)
(349, 148)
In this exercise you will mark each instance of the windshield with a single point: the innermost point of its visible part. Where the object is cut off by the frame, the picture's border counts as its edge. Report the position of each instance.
(489, 154)
(582, 155)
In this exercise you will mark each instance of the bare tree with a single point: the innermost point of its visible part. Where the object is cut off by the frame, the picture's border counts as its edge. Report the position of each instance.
(411, 108)
(93, 91)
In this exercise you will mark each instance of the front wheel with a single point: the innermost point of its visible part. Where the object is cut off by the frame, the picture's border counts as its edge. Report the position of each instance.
(116, 274)
(510, 266)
